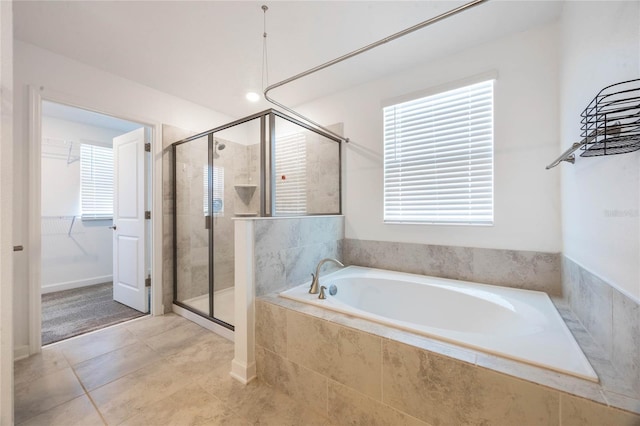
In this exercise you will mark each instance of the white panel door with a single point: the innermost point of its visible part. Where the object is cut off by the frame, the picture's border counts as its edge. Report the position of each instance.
(129, 221)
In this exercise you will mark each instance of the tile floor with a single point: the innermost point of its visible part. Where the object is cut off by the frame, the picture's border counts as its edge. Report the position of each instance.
(151, 371)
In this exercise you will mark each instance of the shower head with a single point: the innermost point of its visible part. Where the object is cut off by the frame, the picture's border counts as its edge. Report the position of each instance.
(220, 146)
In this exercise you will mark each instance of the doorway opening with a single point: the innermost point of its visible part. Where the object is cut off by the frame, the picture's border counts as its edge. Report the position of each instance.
(95, 233)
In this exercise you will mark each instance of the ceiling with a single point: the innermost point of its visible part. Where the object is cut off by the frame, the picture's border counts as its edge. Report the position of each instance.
(210, 52)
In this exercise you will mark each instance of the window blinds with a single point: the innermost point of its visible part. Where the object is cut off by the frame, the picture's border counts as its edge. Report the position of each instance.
(438, 158)
(291, 175)
(96, 181)
(218, 190)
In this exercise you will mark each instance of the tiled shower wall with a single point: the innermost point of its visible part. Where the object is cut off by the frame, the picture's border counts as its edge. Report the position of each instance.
(170, 134)
(287, 250)
(612, 319)
(511, 268)
(323, 178)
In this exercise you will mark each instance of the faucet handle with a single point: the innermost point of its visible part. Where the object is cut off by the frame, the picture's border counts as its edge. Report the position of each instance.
(322, 295)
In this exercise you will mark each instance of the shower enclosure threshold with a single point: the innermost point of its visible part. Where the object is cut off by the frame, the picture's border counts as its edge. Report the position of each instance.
(223, 304)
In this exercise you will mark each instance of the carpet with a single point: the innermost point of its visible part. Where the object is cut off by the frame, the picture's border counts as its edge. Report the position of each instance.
(70, 313)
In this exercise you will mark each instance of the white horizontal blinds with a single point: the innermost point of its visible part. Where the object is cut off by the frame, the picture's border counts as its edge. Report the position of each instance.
(96, 181)
(218, 190)
(438, 158)
(291, 175)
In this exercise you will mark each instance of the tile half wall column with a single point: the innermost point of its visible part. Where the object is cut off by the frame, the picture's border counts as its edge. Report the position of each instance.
(243, 366)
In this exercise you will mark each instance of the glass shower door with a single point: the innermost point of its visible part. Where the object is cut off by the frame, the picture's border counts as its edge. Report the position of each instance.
(235, 162)
(193, 225)
(204, 227)
(223, 156)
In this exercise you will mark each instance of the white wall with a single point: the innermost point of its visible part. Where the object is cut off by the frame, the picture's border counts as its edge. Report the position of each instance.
(85, 256)
(527, 203)
(93, 89)
(601, 195)
(6, 227)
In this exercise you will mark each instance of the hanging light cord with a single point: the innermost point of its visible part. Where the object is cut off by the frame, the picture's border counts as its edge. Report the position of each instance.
(265, 61)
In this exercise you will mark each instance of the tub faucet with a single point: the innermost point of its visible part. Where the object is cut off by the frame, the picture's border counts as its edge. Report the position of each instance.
(316, 278)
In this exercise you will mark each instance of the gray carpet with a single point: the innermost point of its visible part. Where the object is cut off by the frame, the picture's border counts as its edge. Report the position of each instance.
(72, 312)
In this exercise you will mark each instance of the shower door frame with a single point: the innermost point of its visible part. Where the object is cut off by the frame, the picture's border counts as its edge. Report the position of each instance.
(266, 209)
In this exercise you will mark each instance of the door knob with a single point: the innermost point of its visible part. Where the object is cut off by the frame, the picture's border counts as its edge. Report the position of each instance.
(114, 227)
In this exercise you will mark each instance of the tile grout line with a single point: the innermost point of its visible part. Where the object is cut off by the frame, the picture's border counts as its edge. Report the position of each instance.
(61, 349)
(235, 413)
(88, 395)
(382, 369)
(86, 392)
(375, 401)
(560, 409)
(140, 367)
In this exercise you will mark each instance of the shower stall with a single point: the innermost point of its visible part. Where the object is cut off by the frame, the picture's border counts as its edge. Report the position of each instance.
(264, 165)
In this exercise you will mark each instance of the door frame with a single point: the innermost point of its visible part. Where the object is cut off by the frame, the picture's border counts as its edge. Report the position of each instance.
(34, 237)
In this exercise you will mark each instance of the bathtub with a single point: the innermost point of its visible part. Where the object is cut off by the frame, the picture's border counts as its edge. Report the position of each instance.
(518, 324)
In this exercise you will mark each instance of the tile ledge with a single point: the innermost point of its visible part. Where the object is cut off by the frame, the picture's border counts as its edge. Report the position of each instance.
(554, 380)
(258, 218)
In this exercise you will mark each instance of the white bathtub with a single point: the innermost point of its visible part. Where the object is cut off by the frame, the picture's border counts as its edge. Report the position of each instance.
(519, 324)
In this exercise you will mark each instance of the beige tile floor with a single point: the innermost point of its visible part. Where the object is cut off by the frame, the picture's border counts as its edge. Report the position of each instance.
(152, 371)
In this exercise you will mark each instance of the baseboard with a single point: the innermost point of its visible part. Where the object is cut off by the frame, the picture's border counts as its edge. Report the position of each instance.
(51, 288)
(243, 373)
(20, 352)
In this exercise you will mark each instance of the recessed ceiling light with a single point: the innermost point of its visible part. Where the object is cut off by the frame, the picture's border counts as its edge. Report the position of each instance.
(252, 97)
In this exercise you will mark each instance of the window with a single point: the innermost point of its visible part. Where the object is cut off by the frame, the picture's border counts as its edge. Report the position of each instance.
(218, 190)
(438, 158)
(96, 181)
(291, 175)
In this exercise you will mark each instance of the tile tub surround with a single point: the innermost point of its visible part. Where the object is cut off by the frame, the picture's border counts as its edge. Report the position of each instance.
(287, 250)
(613, 320)
(359, 372)
(511, 268)
(272, 254)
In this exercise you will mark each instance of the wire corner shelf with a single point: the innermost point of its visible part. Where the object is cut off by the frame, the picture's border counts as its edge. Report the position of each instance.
(610, 124)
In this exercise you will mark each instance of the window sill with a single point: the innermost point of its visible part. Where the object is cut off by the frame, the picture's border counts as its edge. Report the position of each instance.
(95, 219)
(396, 222)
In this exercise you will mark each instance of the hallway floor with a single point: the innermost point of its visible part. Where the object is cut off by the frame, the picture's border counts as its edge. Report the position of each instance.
(151, 371)
(70, 313)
